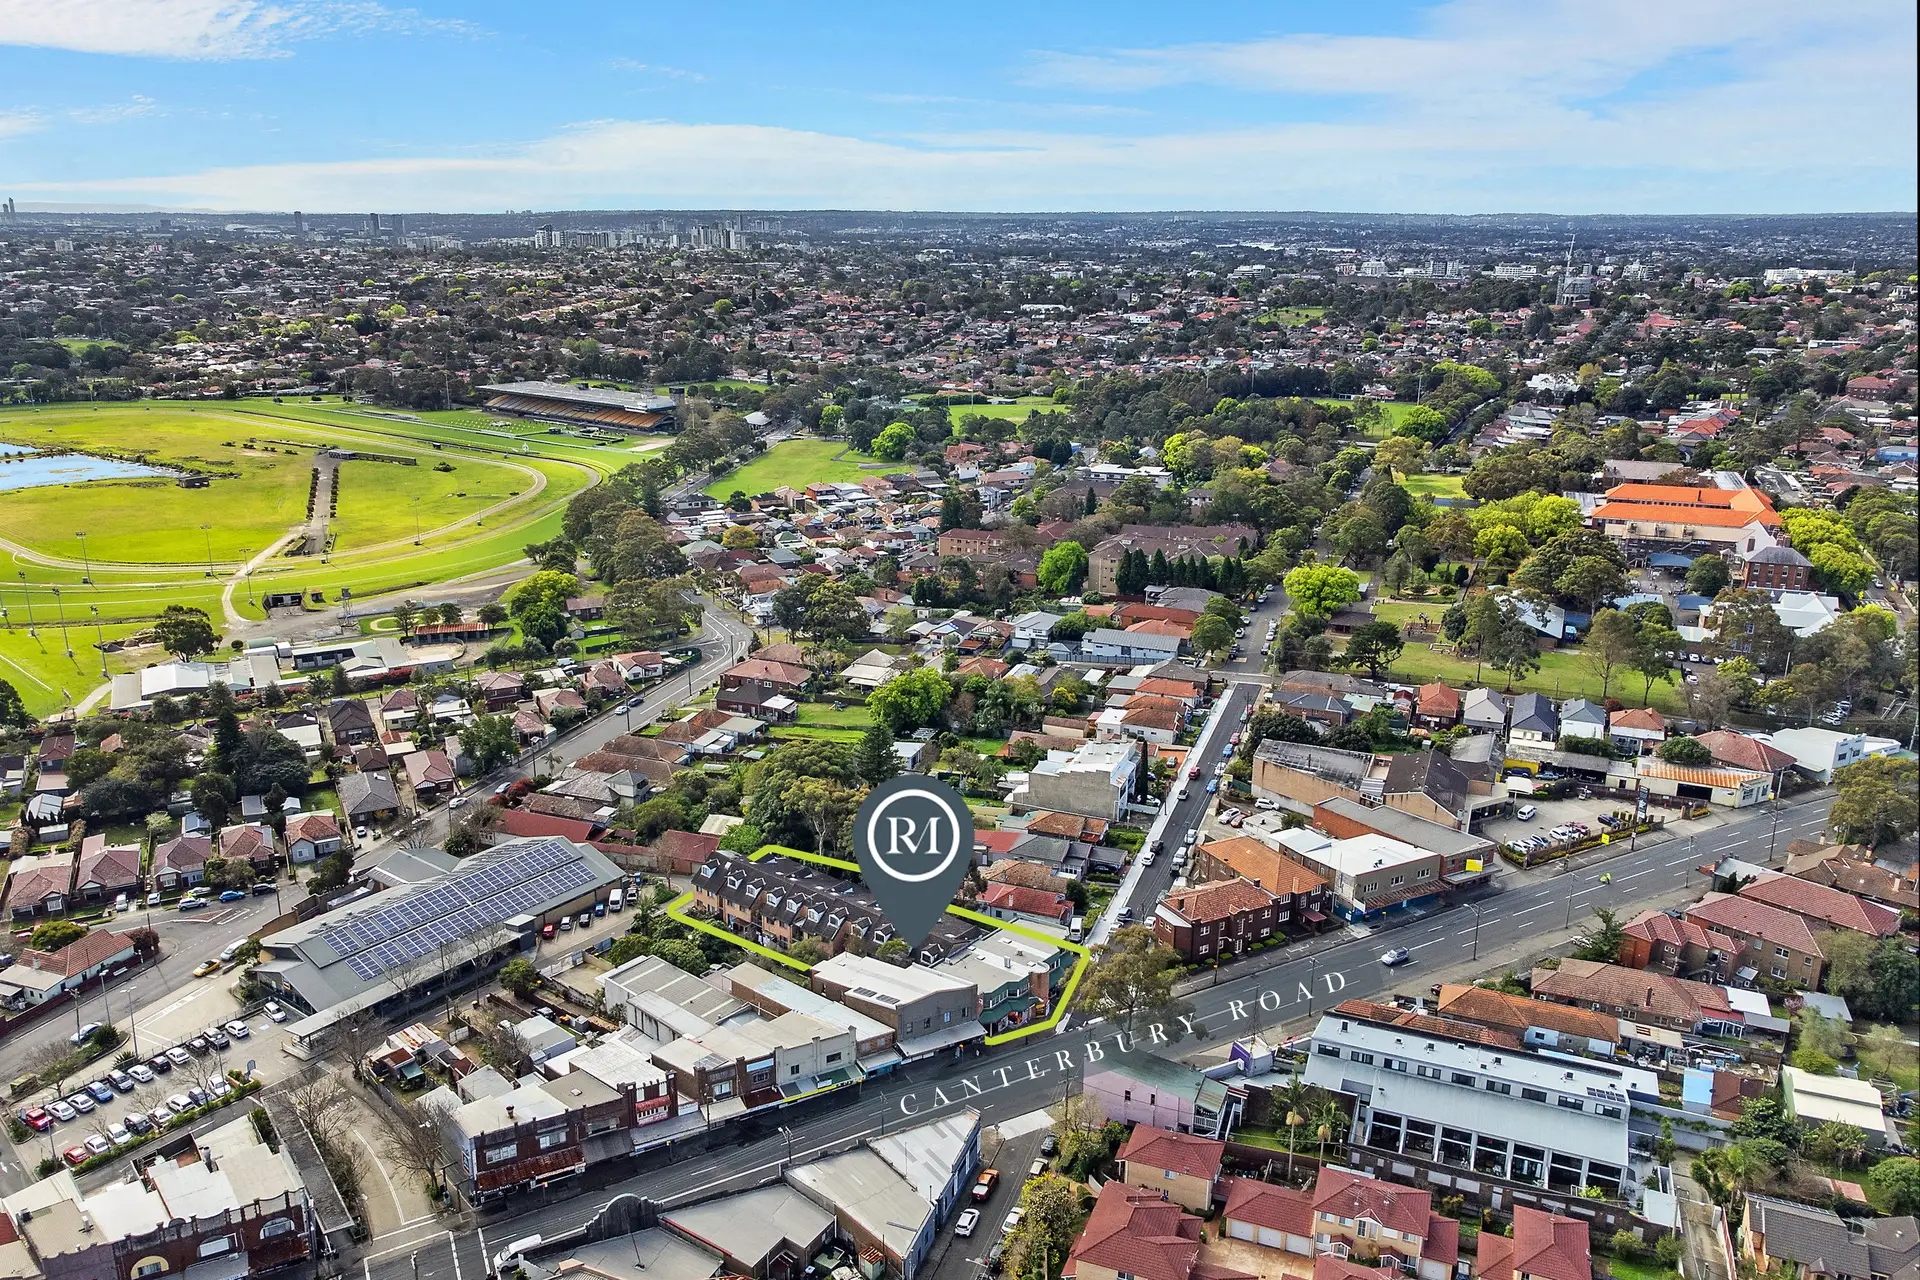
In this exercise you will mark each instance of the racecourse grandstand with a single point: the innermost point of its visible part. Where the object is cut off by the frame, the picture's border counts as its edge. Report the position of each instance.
(581, 406)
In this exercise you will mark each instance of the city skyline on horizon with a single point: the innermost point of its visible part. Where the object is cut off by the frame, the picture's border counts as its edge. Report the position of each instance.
(1462, 107)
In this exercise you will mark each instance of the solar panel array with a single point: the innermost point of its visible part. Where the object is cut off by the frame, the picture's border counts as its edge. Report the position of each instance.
(418, 925)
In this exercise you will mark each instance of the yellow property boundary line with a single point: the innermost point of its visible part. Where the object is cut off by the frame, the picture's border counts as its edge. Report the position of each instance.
(675, 911)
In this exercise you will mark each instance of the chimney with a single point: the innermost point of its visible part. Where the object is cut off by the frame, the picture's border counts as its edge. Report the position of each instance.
(509, 1111)
(1649, 1000)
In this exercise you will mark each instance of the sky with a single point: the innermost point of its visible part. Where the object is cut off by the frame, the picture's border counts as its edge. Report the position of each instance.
(1460, 106)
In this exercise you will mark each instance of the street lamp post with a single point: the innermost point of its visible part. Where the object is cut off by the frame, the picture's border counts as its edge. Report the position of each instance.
(1476, 929)
(416, 522)
(29, 599)
(87, 576)
(207, 531)
(788, 1135)
(99, 642)
(61, 609)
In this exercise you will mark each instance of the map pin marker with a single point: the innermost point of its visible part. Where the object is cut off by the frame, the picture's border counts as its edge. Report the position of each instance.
(914, 839)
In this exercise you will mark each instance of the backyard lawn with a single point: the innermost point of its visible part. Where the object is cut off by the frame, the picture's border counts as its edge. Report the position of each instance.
(799, 463)
(1434, 486)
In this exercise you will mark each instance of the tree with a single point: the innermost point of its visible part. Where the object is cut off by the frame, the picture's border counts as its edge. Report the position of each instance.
(520, 977)
(1894, 1185)
(1132, 973)
(739, 537)
(1654, 658)
(488, 741)
(1406, 454)
(213, 798)
(1320, 589)
(1212, 635)
(1876, 801)
(1707, 575)
(419, 1147)
(13, 709)
(1375, 647)
(1603, 942)
(1766, 1118)
(1745, 624)
(825, 805)
(647, 606)
(184, 631)
(267, 759)
(55, 934)
(1611, 643)
(1038, 1247)
(1500, 544)
(491, 614)
(874, 759)
(891, 444)
(1685, 751)
(1589, 580)
(403, 616)
(807, 951)
(682, 954)
(1063, 568)
(1510, 646)
(910, 700)
(894, 951)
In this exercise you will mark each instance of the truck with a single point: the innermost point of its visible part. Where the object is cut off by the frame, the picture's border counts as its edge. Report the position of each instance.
(989, 1179)
(514, 1256)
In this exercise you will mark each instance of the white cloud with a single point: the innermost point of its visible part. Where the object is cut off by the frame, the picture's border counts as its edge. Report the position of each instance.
(113, 113)
(15, 123)
(198, 29)
(653, 69)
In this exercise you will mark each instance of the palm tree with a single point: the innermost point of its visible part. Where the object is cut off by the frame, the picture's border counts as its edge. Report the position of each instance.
(1293, 1101)
(1330, 1123)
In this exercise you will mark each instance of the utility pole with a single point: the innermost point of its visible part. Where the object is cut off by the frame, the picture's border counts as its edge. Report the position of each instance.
(61, 609)
(29, 599)
(99, 642)
(207, 531)
(87, 576)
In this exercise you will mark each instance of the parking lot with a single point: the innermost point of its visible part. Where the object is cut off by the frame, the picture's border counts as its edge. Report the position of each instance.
(1550, 814)
(105, 1104)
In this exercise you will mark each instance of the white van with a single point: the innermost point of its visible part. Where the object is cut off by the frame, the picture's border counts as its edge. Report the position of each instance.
(616, 900)
(514, 1256)
(1077, 931)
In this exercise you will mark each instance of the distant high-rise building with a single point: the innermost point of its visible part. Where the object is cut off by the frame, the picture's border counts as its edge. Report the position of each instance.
(373, 223)
(9, 206)
(543, 237)
(299, 223)
(399, 225)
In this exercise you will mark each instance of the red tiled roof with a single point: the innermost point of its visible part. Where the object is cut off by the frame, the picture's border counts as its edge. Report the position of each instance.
(1639, 718)
(1756, 919)
(1549, 1246)
(1439, 699)
(312, 826)
(1658, 926)
(519, 822)
(1140, 1234)
(1328, 1267)
(1743, 752)
(1032, 902)
(1517, 1013)
(1180, 1152)
(1832, 906)
(1636, 991)
(80, 955)
(1338, 1193)
(1221, 900)
(1266, 1205)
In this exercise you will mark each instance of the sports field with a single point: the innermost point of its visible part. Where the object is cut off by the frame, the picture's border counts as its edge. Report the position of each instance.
(798, 463)
(1434, 486)
(1018, 411)
(478, 492)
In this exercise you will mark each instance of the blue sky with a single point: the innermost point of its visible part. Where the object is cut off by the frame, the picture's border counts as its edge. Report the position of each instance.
(1462, 106)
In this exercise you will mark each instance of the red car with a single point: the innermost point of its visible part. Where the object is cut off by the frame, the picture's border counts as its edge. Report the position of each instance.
(76, 1156)
(1194, 772)
(1235, 739)
(38, 1118)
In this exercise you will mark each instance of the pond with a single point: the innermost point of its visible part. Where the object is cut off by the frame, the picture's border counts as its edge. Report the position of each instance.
(22, 468)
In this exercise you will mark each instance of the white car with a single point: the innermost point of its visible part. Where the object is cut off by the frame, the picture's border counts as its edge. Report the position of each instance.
(966, 1222)
(180, 1104)
(1146, 859)
(1266, 804)
(142, 1072)
(1013, 1220)
(98, 1144)
(456, 802)
(118, 1134)
(238, 1029)
(1526, 813)
(274, 1012)
(359, 833)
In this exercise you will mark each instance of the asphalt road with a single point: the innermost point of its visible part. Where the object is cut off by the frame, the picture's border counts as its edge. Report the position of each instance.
(1275, 989)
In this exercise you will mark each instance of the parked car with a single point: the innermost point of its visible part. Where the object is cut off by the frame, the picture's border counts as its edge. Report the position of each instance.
(97, 1144)
(120, 1080)
(966, 1222)
(76, 1156)
(138, 1122)
(153, 899)
(1037, 1168)
(206, 967)
(1398, 955)
(273, 1011)
(192, 904)
(62, 1110)
(199, 1097)
(1146, 859)
(178, 1056)
(1526, 813)
(118, 1134)
(81, 1102)
(1013, 1220)
(101, 1090)
(233, 895)
(983, 1185)
(198, 1045)
(141, 1072)
(179, 1104)
(218, 1038)
(36, 1118)
(161, 1116)
(84, 1034)
(1049, 1146)
(238, 1029)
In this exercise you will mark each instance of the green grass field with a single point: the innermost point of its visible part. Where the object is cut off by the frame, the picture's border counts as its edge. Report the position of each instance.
(1434, 486)
(1015, 412)
(1563, 673)
(1293, 316)
(147, 549)
(798, 463)
(1396, 413)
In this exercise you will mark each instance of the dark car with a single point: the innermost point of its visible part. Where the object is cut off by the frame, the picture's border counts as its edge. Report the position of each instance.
(995, 1254)
(160, 1063)
(1049, 1145)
